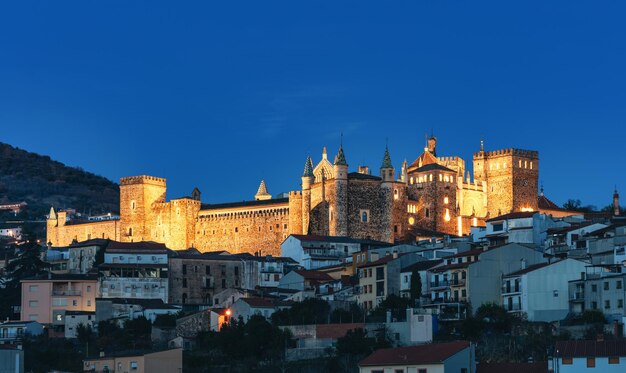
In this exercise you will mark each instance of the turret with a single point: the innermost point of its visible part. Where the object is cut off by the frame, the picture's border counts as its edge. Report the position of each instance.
(261, 193)
(307, 180)
(387, 172)
(432, 145)
(404, 173)
(338, 219)
(615, 203)
(52, 215)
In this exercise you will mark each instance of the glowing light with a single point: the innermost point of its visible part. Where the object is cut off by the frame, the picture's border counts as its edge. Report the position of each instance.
(228, 312)
(475, 222)
(447, 216)
(527, 209)
(411, 220)
(445, 200)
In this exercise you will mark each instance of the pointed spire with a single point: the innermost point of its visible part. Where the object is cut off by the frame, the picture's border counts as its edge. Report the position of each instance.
(52, 215)
(340, 158)
(386, 159)
(482, 144)
(308, 167)
(324, 155)
(261, 193)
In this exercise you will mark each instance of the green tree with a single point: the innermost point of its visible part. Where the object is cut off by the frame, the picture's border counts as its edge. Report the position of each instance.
(416, 286)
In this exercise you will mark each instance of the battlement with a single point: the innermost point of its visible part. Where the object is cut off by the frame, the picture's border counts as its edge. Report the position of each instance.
(243, 214)
(185, 201)
(295, 193)
(450, 159)
(143, 179)
(508, 152)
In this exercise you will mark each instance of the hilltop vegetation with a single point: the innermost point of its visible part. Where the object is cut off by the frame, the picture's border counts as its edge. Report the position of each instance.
(43, 182)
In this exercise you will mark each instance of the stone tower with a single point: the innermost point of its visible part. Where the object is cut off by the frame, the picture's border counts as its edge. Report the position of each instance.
(339, 222)
(138, 195)
(307, 181)
(261, 193)
(511, 176)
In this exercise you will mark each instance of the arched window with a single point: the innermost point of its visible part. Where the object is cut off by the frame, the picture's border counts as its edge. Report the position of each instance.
(364, 216)
(130, 232)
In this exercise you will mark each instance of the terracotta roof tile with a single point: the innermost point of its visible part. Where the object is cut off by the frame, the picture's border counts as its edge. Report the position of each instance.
(335, 331)
(413, 355)
(576, 348)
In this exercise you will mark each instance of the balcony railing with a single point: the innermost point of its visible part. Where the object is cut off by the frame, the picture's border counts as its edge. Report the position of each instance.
(439, 284)
(577, 296)
(513, 307)
(68, 293)
(457, 282)
(511, 289)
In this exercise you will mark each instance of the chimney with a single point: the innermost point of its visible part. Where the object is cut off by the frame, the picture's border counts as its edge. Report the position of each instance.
(395, 254)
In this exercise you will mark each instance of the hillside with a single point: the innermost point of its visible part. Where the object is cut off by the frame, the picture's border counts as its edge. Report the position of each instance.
(43, 182)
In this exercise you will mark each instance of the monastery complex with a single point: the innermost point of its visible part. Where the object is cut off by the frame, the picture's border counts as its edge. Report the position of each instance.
(431, 195)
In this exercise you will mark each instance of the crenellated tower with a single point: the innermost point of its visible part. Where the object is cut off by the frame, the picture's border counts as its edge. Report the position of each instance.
(138, 195)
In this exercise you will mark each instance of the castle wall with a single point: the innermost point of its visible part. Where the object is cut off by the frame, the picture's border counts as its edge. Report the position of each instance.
(295, 212)
(398, 211)
(138, 194)
(66, 234)
(435, 202)
(243, 230)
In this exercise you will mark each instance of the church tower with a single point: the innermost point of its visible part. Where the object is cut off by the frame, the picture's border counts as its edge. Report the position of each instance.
(387, 172)
(615, 203)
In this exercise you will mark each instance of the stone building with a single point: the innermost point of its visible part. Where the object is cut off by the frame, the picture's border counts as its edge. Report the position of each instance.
(196, 277)
(432, 193)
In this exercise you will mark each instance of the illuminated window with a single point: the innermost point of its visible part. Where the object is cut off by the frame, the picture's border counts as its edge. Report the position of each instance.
(411, 180)
(447, 216)
(431, 177)
(531, 165)
(591, 362)
(440, 177)
(525, 164)
(411, 220)
(567, 361)
(395, 194)
(445, 200)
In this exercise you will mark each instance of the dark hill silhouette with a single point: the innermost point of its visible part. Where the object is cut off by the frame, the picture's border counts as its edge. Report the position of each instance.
(43, 182)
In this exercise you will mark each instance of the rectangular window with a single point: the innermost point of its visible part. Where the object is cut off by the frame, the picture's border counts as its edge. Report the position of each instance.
(594, 305)
(498, 227)
(380, 273)
(33, 288)
(607, 304)
(567, 361)
(223, 283)
(207, 270)
(184, 269)
(591, 362)
(33, 303)
(613, 359)
(618, 284)
(606, 285)
(380, 289)
(422, 371)
(133, 365)
(184, 282)
(88, 289)
(594, 288)
(59, 301)
(620, 303)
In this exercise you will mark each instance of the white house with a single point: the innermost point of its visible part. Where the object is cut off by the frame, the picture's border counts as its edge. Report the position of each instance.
(541, 290)
(417, 327)
(313, 251)
(455, 357)
(75, 318)
(517, 227)
(589, 356)
(245, 308)
(134, 270)
(14, 331)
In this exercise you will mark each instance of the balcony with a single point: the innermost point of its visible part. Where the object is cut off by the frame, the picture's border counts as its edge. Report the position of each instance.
(457, 282)
(511, 289)
(440, 284)
(515, 307)
(578, 296)
(67, 293)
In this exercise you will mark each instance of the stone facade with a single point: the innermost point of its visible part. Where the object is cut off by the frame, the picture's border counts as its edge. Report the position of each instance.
(432, 194)
(196, 278)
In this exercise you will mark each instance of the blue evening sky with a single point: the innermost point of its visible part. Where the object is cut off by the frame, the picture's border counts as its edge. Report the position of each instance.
(222, 94)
